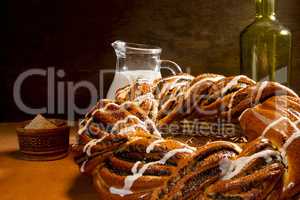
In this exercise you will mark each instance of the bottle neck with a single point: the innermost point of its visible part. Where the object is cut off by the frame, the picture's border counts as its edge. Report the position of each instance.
(265, 9)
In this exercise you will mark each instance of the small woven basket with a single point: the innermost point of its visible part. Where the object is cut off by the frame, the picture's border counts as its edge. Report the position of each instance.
(44, 144)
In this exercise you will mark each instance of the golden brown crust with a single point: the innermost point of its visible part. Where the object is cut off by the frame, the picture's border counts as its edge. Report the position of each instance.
(202, 170)
(261, 181)
(121, 146)
(116, 169)
(281, 113)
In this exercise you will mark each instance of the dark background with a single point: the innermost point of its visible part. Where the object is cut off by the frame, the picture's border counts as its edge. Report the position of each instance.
(75, 35)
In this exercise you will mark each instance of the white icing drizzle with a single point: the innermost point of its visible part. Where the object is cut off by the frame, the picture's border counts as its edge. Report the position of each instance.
(173, 84)
(134, 169)
(270, 126)
(137, 173)
(214, 79)
(82, 129)
(81, 122)
(140, 124)
(286, 88)
(106, 107)
(230, 106)
(289, 186)
(224, 165)
(153, 144)
(82, 170)
(110, 104)
(144, 97)
(125, 120)
(289, 141)
(132, 128)
(261, 88)
(234, 81)
(187, 146)
(156, 142)
(88, 147)
(141, 80)
(231, 168)
(242, 114)
(174, 98)
(177, 85)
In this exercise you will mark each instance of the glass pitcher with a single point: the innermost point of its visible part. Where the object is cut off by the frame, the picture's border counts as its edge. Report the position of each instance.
(137, 61)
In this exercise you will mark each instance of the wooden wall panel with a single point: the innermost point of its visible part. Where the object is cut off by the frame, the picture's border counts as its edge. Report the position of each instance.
(76, 35)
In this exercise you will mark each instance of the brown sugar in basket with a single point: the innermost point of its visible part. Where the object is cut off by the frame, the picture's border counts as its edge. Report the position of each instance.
(44, 144)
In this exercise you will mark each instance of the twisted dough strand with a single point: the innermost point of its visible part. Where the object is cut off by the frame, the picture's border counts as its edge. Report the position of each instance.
(122, 147)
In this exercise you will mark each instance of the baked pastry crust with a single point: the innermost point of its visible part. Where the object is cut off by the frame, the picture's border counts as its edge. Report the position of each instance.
(122, 143)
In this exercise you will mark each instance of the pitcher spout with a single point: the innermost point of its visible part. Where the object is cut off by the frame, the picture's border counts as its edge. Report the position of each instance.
(119, 47)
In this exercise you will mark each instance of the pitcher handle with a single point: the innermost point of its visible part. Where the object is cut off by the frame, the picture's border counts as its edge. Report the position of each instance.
(174, 68)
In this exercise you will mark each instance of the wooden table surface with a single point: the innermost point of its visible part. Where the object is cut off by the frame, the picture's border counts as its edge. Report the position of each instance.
(33, 180)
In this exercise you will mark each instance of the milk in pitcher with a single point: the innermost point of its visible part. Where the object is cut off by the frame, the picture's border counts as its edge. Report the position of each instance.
(123, 78)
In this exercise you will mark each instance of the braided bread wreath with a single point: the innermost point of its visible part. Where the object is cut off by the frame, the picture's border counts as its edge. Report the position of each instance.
(122, 145)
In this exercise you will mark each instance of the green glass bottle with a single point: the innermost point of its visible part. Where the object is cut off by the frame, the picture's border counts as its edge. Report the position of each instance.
(266, 46)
